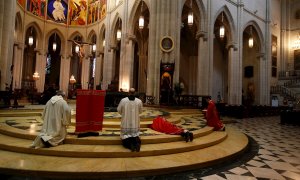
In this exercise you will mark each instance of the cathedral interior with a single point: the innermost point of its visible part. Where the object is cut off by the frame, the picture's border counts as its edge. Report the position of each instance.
(244, 54)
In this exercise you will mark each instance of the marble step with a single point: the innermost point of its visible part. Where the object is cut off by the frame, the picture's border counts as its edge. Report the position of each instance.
(78, 168)
(111, 151)
(72, 138)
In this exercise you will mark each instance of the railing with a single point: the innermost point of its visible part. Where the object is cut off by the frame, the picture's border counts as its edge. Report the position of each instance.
(288, 74)
(283, 90)
(292, 82)
(195, 101)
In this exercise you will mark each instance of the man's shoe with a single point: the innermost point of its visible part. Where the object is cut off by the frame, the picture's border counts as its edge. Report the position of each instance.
(186, 136)
(191, 136)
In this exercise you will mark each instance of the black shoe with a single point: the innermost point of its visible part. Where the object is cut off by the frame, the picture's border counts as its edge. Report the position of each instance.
(223, 128)
(186, 136)
(191, 136)
(46, 144)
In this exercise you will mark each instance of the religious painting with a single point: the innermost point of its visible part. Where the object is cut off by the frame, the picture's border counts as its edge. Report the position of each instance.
(37, 7)
(102, 9)
(93, 11)
(166, 44)
(57, 10)
(22, 3)
(297, 59)
(78, 12)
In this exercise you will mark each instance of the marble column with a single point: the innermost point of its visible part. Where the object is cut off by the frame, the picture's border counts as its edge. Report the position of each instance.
(40, 66)
(261, 89)
(7, 26)
(64, 73)
(202, 69)
(108, 64)
(98, 69)
(18, 65)
(85, 71)
(233, 72)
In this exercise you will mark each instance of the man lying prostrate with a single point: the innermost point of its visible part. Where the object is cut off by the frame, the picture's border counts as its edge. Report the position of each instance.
(160, 124)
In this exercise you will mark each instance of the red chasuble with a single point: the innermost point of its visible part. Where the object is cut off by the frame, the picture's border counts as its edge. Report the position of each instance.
(212, 116)
(160, 124)
(89, 110)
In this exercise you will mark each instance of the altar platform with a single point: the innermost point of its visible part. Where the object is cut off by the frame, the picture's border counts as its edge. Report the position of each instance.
(103, 156)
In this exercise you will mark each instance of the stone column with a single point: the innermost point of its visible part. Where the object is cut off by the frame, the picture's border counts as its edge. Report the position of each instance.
(108, 64)
(126, 64)
(98, 69)
(261, 89)
(7, 26)
(64, 73)
(85, 72)
(40, 66)
(234, 92)
(202, 69)
(18, 65)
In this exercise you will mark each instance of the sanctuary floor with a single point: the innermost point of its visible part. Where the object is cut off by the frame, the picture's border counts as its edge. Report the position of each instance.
(274, 154)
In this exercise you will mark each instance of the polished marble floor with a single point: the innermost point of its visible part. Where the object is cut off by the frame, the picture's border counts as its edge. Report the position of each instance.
(274, 154)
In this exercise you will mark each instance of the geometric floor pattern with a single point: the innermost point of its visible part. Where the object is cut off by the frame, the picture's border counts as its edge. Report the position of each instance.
(276, 155)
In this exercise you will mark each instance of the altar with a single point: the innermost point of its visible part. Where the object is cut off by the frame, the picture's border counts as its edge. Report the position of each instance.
(89, 110)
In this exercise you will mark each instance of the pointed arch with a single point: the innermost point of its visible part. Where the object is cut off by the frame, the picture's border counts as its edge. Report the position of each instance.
(39, 33)
(132, 18)
(60, 35)
(74, 34)
(113, 38)
(18, 27)
(101, 36)
(202, 18)
(258, 31)
(229, 25)
(200, 15)
(90, 35)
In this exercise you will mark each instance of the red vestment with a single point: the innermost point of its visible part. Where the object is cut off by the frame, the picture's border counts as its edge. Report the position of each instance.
(212, 116)
(160, 124)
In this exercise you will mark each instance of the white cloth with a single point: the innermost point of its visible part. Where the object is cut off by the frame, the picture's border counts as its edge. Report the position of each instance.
(56, 117)
(130, 123)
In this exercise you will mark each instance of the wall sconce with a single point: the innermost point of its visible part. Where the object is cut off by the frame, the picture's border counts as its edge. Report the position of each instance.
(250, 41)
(222, 29)
(141, 19)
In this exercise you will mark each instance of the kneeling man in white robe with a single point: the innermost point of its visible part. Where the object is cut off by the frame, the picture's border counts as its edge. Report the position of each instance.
(56, 117)
(130, 107)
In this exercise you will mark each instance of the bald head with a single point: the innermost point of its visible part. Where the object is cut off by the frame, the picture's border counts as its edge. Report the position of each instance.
(131, 91)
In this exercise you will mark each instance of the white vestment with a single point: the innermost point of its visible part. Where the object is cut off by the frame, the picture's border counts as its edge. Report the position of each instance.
(56, 116)
(130, 123)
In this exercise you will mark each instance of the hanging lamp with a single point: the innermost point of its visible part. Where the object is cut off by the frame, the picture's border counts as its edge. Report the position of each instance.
(141, 19)
(191, 16)
(250, 41)
(222, 29)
